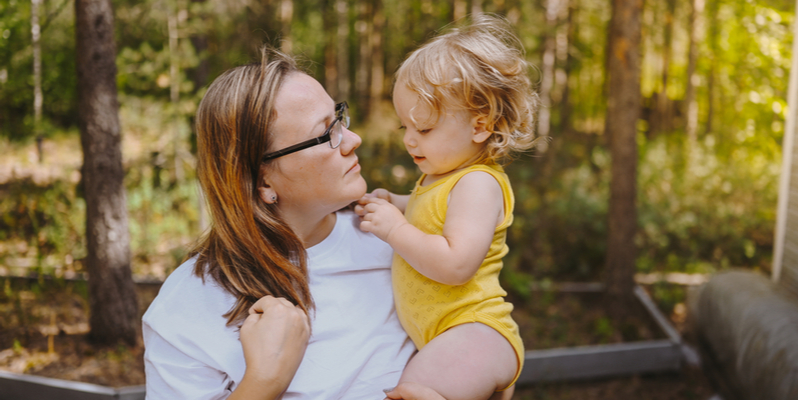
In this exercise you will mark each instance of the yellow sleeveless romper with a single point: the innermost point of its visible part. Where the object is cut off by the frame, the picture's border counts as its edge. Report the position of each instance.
(427, 308)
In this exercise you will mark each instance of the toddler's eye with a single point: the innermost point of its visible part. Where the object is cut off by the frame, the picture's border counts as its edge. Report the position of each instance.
(402, 127)
(423, 131)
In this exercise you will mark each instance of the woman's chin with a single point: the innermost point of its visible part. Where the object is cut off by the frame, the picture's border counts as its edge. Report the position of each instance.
(358, 190)
(361, 186)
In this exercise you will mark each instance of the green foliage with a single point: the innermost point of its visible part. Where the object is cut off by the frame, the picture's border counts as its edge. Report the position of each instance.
(667, 296)
(603, 329)
(700, 212)
(16, 68)
(703, 206)
(45, 222)
(163, 218)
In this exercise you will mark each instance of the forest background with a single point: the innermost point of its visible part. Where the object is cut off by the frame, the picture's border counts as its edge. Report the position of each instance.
(714, 83)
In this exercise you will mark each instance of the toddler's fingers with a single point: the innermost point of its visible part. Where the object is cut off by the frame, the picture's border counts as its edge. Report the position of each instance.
(365, 198)
(376, 201)
(365, 226)
(381, 193)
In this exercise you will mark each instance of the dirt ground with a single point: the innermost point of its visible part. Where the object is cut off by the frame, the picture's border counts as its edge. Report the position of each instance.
(37, 315)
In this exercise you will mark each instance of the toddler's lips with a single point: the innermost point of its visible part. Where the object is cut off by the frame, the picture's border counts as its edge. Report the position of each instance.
(418, 159)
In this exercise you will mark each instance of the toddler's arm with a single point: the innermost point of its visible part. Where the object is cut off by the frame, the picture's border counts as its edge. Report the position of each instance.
(475, 208)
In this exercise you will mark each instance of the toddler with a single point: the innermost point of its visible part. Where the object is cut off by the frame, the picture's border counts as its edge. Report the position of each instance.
(465, 102)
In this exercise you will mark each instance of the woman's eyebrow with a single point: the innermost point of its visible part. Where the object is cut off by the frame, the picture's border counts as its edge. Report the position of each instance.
(324, 121)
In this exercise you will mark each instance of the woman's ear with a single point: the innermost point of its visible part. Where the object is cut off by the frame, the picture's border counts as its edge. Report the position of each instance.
(479, 132)
(267, 194)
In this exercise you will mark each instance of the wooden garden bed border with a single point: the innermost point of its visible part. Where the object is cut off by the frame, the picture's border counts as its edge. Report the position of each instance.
(560, 364)
(31, 387)
(608, 360)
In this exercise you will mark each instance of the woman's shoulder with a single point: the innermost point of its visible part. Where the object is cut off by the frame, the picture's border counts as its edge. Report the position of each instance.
(184, 296)
(186, 337)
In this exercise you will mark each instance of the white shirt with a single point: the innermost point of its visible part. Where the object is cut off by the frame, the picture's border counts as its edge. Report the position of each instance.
(357, 346)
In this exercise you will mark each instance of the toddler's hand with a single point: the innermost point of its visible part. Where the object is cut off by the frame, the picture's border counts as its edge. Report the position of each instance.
(379, 193)
(379, 217)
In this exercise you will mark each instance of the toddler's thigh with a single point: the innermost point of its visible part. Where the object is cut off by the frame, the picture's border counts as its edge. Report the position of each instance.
(469, 361)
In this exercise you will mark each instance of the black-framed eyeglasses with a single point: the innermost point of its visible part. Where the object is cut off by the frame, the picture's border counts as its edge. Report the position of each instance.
(332, 135)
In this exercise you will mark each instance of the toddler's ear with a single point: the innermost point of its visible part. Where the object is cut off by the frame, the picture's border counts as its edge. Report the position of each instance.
(479, 132)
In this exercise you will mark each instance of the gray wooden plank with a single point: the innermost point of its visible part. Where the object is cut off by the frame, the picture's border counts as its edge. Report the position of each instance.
(654, 312)
(588, 362)
(30, 387)
(131, 393)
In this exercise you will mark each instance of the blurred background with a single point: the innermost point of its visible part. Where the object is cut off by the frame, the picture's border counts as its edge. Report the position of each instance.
(714, 89)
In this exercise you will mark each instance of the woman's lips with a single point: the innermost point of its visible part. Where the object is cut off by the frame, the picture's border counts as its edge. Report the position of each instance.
(354, 168)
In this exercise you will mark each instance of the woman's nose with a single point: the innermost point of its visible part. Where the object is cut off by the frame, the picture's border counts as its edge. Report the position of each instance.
(350, 141)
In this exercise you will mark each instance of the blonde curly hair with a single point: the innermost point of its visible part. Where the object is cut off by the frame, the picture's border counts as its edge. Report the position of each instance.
(479, 67)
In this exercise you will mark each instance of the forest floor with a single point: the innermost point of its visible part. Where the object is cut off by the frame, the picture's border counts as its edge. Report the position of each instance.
(44, 326)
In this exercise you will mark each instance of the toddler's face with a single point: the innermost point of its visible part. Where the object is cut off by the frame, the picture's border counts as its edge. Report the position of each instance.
(439, 147)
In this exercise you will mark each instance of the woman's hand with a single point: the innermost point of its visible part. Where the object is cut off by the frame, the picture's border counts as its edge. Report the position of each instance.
(274, 338)
(413, 391)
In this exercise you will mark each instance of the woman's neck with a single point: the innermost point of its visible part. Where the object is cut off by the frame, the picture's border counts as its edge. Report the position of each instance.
(311, 230)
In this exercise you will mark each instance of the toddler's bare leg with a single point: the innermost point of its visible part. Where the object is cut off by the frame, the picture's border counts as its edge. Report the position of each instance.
(467, 362)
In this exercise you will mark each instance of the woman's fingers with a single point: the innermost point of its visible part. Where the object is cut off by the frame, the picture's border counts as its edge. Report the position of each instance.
(274, 337)
(267, 302)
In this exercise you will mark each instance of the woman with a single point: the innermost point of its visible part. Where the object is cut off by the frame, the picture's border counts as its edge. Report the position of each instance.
(276, 161)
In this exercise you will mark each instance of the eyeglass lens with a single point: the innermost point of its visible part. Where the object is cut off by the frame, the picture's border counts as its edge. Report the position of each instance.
(337, 133)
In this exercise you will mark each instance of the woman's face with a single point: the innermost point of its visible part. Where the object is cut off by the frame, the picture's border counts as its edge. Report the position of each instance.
(318, 180)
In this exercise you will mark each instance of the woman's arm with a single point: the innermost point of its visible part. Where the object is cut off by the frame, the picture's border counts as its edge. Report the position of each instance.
(274, 338)
(474, 210)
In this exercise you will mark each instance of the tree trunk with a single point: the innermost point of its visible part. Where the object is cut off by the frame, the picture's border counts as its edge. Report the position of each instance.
(459, 9)
(565, 112)
(695, 36)
(286, 15)
(330, 26)
(548, 68)
(200, 75)
(363, 67)
(37, 76)
(663, 105)
(112, 299)
(376, 91)
(199, 40)
(561, 51)
(476, 7)
(623, 111)
(342, 53)
(713, 36)
(173, 23)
